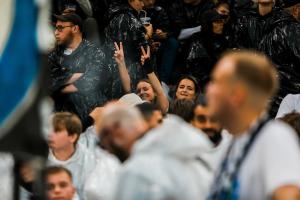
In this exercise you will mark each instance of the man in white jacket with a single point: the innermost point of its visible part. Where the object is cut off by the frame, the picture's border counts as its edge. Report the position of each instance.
(165, 163)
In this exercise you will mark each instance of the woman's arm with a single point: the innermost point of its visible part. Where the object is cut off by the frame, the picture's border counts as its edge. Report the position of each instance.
(120, 60)
(162, 99)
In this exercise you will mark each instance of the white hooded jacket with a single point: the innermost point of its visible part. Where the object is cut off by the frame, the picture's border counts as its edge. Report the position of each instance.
(167, 164)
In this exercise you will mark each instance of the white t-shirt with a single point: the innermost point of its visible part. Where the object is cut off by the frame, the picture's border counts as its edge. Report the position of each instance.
(290, 103)
(273, 161)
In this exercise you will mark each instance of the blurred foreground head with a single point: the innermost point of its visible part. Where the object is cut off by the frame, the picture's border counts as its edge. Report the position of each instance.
(242, 85)
(121, 126)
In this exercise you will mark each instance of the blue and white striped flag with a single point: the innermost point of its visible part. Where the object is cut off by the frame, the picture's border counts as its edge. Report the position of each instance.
(25, 34)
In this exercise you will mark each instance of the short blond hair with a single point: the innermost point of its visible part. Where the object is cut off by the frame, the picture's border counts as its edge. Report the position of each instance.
(255, 70)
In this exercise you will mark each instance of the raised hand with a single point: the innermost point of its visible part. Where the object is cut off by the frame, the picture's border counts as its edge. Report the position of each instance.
(145, 60)
(119, 53)
(145, 55)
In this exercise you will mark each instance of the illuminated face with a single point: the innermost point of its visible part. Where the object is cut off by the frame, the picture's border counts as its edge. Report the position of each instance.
(145, 91)
(186, 90)
(59, 139)
(59, 186)
(63, 33)
(137, 5)
(218, 27)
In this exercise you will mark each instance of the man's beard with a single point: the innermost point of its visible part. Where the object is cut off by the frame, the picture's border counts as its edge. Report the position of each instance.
(66, 43)
(119, 152)
(214, 135)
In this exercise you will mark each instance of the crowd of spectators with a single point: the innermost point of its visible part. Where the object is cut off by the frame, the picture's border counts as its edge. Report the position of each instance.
(172, 99)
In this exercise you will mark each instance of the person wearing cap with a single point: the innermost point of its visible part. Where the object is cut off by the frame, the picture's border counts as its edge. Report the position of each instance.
(293, 8)
(207, 46)
(79, 78)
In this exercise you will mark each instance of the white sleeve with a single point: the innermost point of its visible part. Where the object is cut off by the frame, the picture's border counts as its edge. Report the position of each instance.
(281, 158)
(188, 32)
(286, 106)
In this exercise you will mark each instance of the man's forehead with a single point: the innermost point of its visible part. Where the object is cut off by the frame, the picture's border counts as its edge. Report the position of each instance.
(59, 176)
(203, 110)
(58, 22)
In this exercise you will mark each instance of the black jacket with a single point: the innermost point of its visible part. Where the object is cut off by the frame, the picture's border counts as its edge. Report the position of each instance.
(204, 52)
(159, 18)
(125, 26)
(183, 15)
(276, 34)
(94, 86)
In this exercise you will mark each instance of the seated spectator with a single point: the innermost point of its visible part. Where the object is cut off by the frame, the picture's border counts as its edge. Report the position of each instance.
(265, 29)
(164, 163)
(207, 46)
(148, 89)
(187, 88)
(80, 78)
(59, 183)
(185, 17)
(213, 129)
(94, 171)
(163, 38)
(290, 103)
(125, 26)
(63, 150)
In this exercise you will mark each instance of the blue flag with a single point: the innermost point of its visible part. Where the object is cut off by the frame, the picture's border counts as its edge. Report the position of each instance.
(20, 76)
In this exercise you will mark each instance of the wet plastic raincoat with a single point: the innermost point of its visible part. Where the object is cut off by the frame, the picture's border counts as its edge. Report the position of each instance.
(125, 26)
(276, 34)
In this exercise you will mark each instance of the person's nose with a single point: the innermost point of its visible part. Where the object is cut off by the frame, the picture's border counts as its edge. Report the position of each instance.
(208, 124)
(56, 32)
(57, 190)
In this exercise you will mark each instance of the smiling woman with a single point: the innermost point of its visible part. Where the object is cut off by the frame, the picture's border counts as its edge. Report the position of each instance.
(187, 88)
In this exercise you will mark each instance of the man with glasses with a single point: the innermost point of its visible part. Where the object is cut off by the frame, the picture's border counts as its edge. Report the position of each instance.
(80, 77)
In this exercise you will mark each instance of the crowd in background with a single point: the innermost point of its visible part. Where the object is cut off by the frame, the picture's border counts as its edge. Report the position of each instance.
(172, 99)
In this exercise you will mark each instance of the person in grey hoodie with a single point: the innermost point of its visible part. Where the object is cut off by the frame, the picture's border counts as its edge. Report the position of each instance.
(163, 163)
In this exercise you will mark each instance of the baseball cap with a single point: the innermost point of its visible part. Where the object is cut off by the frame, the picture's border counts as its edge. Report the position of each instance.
(70, 17)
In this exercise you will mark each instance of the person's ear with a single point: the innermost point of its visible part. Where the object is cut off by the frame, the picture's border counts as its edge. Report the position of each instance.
(239, 94)
(73, 137)
(75, 28)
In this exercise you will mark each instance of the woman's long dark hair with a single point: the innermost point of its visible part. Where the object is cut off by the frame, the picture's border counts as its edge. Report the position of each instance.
(191, 78)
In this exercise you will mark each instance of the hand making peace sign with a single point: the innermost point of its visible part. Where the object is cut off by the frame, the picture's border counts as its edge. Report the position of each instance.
(119, 53)
(145, 55)
(145, 60)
